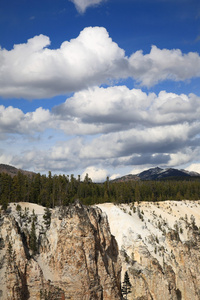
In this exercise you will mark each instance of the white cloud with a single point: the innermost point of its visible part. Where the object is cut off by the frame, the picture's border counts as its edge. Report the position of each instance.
(96, 174)
(10, 118)
(100, 110)
(105, 110)
(166, 139)
(194, 167)
(114, 176)
(13, 120)
(168, 145)
(32, 70)
(139, 169)
(162, 64)
(82, 5)
(104, 127)
(5, 158)
(183, 156)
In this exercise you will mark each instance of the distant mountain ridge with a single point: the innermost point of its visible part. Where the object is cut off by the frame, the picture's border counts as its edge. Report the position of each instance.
(150, 174)
(12, 171)
(157, 174)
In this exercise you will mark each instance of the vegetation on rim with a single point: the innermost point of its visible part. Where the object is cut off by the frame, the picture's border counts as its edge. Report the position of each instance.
(51, 191)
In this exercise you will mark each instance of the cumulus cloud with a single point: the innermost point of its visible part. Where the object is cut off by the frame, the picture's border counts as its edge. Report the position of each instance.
(82, 5)
(184, 156)
(108, 128)
(10, 119)
(162, 64)
(114, 176)
(104, 110)
(33, 70)
(5, 158)
(194, 167)
(168, 145)
(166, 139)
(13, 120)
(96, 174)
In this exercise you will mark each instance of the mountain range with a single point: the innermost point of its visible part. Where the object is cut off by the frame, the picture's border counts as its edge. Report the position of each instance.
(150, 174)
(158, 174)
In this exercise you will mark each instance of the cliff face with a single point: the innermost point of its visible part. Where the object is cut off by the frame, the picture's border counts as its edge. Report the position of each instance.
(76, 257)
(159, 247)
(80, 254)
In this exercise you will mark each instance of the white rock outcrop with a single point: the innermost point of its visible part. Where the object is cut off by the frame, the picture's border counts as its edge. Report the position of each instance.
(159, 245)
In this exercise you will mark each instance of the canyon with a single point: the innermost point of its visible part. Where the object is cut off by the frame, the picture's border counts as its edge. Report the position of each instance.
(82, 252)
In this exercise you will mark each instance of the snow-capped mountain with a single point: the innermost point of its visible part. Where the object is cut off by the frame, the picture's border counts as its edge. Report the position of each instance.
(158, 173)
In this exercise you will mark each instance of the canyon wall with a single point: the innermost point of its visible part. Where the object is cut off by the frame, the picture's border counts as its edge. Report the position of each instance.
(159, 247)
(82, 252)
(73, 257)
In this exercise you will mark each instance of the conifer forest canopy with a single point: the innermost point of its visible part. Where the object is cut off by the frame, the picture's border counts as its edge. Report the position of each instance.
(59, 190)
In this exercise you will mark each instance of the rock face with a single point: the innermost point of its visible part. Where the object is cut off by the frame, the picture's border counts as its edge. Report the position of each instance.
(159, 245)
(84, 252)
(76, 257)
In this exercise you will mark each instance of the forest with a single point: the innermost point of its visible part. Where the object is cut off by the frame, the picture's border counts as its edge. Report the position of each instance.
(57, 190)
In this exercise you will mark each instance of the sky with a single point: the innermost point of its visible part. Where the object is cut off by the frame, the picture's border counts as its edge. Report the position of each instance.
(104, 87)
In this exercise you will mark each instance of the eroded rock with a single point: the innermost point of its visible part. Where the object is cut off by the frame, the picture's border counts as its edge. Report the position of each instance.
(76, 258)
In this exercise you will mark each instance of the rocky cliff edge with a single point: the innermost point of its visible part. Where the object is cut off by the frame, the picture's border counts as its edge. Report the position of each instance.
(69, 254)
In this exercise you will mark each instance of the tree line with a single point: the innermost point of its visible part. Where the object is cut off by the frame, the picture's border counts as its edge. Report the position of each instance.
(57, 190)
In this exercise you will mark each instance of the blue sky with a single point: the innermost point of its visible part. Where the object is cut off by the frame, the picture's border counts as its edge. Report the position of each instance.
(105, 87)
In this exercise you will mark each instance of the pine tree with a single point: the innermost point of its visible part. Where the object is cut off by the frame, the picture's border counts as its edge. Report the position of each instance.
(33, 238)
(137, 193)
(126, 286)
(47, 217)
(11, 256)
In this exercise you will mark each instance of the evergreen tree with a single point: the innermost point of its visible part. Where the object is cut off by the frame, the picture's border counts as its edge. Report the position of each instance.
(47, 217)
(33, 238)
(126, 286)
(137, 193)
